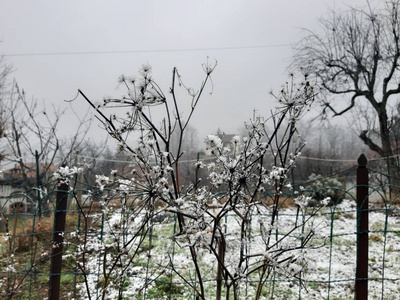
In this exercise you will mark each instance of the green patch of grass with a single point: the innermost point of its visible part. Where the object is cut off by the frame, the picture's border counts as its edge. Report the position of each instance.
(315, 285)
(162, 288)
(380, 227)
(67, 279)
(282, 292)
(140, 262)
(377, 226)
(43, 279)
(334, 216)
(33, 295)
(349, 216)
(146, 246)
(68, 261)
(165, 229)
(340, 241)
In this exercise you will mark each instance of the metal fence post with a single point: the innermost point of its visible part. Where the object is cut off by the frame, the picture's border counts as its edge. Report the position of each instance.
(58, 239)
(362, 230)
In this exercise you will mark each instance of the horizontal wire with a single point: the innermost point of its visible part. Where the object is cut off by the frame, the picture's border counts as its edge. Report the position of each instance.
(147, 51)
(211, 158)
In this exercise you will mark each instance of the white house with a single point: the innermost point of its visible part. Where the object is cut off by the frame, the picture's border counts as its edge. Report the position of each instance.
(12, 193)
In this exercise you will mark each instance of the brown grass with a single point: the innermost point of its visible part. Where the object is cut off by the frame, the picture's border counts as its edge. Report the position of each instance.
(283, 202)
(43, 232)
(375, 238)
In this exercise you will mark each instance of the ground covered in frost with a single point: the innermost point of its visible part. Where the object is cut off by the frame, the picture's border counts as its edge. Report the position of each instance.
(328, 274)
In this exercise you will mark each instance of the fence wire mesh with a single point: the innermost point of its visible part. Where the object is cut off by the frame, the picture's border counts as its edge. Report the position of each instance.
(155, 264)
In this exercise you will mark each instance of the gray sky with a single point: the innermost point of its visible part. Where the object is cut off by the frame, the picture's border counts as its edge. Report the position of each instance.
(164, 34)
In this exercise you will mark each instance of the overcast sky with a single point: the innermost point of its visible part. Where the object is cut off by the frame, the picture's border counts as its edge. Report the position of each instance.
(57, 47)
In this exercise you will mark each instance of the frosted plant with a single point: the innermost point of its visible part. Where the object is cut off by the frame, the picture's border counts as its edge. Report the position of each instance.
(259, 169)
(65, 174)
(246, 187)
(155, 183)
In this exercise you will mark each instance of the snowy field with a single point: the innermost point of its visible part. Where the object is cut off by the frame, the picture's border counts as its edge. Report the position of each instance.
(329, 272)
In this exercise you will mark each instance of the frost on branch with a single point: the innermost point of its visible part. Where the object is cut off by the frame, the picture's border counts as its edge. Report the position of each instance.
(65, 174)
(232, 218)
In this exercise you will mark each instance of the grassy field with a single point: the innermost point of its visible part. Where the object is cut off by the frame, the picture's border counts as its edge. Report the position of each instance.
(330, 269)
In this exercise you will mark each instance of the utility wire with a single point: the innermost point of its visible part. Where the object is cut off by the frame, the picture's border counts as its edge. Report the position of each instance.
(127, 161)
(346, 160)
(147, 51)
(326, 159)
(211, 158)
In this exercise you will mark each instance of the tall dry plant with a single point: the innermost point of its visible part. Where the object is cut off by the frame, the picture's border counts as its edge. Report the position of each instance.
(213, 226)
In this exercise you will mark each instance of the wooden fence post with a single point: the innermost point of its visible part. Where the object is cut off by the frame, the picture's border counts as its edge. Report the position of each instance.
(38, 185)
(58, 239)
(362, 230)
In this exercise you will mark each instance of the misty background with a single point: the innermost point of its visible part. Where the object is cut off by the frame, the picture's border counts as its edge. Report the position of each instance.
(56, 48)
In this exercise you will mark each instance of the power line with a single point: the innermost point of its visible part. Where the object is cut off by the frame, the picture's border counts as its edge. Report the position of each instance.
(130, 161)
(346, 160)
(147, 51)
(211, 158)
(326, 159)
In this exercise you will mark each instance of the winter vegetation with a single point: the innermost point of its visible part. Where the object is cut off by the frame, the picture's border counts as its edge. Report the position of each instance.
(307, 273)
(257, 215)
(239, 177)
(357, 55)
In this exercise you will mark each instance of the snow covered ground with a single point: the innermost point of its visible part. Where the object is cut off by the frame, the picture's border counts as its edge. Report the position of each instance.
(329, 273)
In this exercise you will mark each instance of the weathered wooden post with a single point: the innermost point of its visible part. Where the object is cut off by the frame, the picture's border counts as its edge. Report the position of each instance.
(362, 230)
(39, 198)
(58, 239)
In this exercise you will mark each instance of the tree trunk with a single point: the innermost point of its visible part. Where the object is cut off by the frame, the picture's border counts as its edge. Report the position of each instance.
(221, 258)
(387, 152)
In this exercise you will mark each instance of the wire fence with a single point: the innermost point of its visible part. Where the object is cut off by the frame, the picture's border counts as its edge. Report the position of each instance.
(157, 267)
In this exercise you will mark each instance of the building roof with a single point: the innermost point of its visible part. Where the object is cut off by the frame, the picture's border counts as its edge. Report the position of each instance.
(30, 170)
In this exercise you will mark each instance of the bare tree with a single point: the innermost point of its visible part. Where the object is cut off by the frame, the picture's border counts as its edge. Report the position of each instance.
(190, 153)
(356, 58)
(5, 70)
(33, 143)
(32, 127)
(331, 148)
